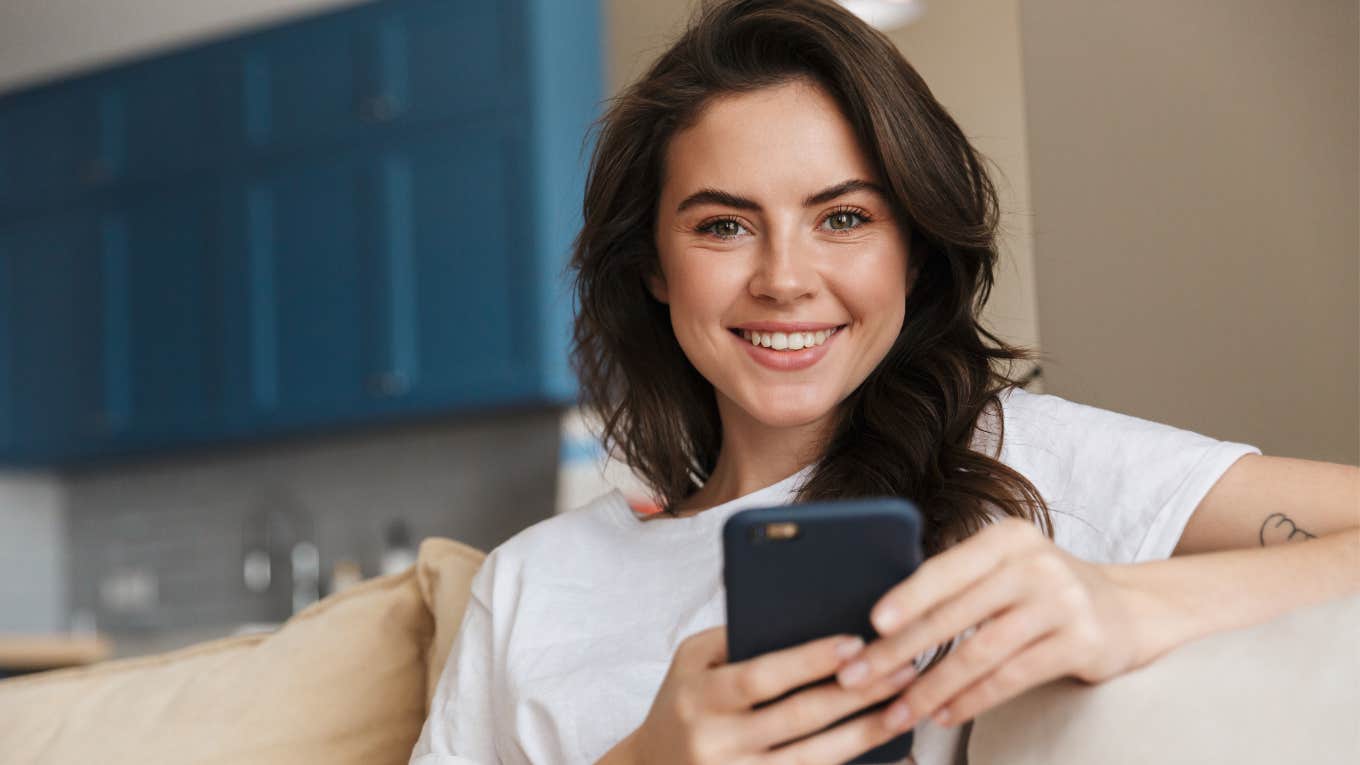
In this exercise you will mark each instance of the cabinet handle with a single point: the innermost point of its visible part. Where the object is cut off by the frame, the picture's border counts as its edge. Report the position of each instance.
(103, 423)
(96, 172)
(389, 384)
(379, 108)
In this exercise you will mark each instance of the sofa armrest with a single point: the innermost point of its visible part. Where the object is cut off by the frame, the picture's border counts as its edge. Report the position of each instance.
(1287, 690)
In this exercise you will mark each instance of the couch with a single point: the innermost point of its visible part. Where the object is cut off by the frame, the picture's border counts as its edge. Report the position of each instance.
(349, 680)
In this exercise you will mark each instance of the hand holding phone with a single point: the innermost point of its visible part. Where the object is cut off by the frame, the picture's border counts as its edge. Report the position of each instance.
(711, 711)
(798, 573)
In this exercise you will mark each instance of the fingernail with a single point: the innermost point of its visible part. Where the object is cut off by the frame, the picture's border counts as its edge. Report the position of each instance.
(853, 674)
(898, 716)
(903, 675)
(942, 717)
(886, 619)
(849, 647)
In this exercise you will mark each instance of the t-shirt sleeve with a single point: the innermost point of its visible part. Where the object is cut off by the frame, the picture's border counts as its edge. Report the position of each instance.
(460, 729)
(1120, 489)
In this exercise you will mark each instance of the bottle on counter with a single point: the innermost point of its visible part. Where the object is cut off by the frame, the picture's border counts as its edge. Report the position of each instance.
(345, 574)
(398, 552)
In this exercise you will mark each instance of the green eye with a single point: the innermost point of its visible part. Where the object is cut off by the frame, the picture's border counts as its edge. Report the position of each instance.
(846, 217)
(729, 230)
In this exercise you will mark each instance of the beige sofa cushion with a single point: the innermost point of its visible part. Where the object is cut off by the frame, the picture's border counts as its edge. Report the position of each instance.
(341, 682)
(444, 570)
(1281, 692)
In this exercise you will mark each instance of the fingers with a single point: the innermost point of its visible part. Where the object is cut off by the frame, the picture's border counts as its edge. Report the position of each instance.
(840, 744)
(742, 685)
(952, 571)
(813, 709)
(982, 600)
(1038, 664)
(705, 649)
(991, 650)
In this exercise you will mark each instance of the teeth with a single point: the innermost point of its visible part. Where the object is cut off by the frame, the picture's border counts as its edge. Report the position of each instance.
(792, 341)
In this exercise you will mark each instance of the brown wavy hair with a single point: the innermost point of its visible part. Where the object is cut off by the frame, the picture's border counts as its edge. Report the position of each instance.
(906, 430)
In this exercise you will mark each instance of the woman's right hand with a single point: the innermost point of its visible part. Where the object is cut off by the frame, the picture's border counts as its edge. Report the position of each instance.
(703, 712)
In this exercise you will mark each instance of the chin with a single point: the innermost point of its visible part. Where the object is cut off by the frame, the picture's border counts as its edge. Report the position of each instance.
(776, 416)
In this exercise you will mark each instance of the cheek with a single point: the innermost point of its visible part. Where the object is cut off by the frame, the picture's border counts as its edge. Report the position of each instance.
(876, 288)
(701, 289)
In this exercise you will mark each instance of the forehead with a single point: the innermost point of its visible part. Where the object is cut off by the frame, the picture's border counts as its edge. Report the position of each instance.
(784, 140)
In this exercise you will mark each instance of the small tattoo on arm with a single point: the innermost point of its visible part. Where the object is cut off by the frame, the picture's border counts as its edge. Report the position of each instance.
(1279, 528)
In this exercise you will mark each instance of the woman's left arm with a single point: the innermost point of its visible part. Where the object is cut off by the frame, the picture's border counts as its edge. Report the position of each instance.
(1307, 517)
(1042, 613)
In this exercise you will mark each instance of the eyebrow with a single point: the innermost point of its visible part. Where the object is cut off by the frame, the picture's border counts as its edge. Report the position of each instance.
(717, 196)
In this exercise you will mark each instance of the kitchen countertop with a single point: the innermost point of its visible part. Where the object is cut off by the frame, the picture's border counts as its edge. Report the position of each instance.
(31, 653)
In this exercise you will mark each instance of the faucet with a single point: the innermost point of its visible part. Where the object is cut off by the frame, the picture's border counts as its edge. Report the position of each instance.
(280, 535)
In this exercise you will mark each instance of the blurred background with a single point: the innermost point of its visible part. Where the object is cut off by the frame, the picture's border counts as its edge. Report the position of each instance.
(280, 282)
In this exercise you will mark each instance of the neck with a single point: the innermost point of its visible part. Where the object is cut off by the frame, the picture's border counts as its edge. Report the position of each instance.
(755, 455)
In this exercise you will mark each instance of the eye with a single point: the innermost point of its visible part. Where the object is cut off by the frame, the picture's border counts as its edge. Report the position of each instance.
(723, 228)
(841, 218)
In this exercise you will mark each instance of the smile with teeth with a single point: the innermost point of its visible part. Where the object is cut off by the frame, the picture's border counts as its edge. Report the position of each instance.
(788, 341)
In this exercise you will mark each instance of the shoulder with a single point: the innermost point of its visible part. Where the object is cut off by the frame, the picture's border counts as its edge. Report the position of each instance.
(1036, 409)
(1023, 420)
(1045, 421)
(554, 541)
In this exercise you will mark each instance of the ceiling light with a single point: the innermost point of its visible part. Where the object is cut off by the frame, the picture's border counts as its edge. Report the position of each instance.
(886, 14)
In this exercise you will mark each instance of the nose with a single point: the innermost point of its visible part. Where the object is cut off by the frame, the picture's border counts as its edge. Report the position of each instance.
(784, 272)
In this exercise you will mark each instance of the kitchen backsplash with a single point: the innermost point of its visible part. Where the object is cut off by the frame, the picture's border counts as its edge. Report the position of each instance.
(160, 545)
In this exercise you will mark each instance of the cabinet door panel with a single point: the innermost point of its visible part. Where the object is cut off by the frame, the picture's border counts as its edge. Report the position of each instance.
(306, 292)
(450, 292)
(173, 115)
(7, 297)
(298, 86)
(429, 60)
(52, 145)
(51, 312)
(160, 335)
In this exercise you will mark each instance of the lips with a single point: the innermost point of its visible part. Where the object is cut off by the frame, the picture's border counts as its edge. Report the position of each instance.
(785, 326)
(792, 341)
(791, 358)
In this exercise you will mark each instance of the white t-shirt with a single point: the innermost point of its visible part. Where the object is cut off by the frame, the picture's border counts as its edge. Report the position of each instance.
(573, 622)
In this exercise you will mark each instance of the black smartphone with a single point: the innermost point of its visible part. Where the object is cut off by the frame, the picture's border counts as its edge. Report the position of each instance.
(797, 573)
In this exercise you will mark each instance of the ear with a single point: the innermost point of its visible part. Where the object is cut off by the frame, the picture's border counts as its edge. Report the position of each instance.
(656, 284)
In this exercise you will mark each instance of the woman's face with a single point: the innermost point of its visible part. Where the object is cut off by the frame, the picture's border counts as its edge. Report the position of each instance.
(784, 269)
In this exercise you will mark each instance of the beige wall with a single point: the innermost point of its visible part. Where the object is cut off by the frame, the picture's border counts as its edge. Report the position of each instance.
(1195, 188)
(968, 51)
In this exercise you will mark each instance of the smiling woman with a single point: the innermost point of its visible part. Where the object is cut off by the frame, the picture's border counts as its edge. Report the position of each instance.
(786, 245)
(746, 183)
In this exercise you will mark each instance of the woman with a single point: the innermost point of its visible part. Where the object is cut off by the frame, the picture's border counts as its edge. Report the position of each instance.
(787, 242)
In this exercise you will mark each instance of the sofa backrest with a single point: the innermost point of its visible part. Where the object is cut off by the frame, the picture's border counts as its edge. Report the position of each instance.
(345, 681)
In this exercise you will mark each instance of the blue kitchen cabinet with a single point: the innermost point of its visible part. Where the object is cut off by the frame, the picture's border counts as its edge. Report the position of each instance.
(297, 86)
(163, 121)
(8, 436)
(54, 144)
(351, 218)
(144, 121)
(159, 328)
(450, 325)
(378, 282)
(107, 321)
(337, 79)
(49, 307)
(297, 282)
(435, 59)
